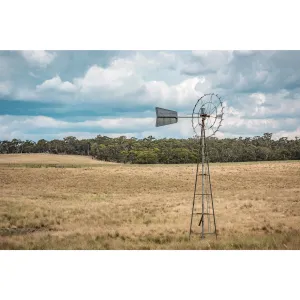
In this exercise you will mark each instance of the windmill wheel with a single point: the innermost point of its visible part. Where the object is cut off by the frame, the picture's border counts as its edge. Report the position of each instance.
(209, 108)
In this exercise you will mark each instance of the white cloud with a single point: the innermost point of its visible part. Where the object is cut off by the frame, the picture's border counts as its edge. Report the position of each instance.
(119, 123)
(288, 134)
(203, 62)
(26, 94)
(123, 80)
(246, 71)
(179, 95)
(39, 58)
(5, 88)
(15, 123)
(123, 76)
(265, 106)
(114, 81)
(21, 127)
(56, 84)
(236, 123)
(244, 52)
(25, 123)
(168, 59)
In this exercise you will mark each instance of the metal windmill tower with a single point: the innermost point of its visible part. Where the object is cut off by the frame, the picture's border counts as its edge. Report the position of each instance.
(206, 120)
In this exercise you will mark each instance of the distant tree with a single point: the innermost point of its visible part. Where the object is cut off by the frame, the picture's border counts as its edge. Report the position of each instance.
(42, 146)
(151, 150)
(29, 146)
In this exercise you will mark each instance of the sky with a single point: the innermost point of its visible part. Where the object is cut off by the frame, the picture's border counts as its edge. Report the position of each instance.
(54, 94)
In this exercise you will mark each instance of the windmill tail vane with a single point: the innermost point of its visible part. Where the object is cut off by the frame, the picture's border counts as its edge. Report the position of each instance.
(206, 120)
(167, 117)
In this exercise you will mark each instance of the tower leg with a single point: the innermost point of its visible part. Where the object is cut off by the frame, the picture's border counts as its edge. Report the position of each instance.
(195, 190)
(210, 188)
(205, 209)
(203, 158)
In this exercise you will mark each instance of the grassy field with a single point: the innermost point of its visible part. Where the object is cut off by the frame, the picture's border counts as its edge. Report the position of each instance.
(74, 202)
(48, 160)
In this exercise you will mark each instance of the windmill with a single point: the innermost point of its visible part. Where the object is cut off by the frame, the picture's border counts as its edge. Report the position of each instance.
(206, 118)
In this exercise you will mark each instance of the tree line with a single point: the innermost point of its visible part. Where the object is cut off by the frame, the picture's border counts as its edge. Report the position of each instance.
(164, 151)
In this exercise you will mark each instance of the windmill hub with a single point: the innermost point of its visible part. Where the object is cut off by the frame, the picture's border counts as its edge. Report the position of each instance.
(207, 118)
(204, 115)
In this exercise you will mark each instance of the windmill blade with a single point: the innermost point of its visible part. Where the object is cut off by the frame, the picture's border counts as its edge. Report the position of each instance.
(165, 116)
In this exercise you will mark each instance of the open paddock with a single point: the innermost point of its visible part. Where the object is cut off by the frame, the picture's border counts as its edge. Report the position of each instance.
(75, 202)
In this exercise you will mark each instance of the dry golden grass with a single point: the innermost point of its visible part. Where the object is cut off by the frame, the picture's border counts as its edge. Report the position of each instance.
(145, 206)
(47, 159)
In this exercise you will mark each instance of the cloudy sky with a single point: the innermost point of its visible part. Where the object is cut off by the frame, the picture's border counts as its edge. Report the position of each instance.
(53, 94)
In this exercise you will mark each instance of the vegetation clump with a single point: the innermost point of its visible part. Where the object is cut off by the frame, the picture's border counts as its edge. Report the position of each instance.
(163, 151)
